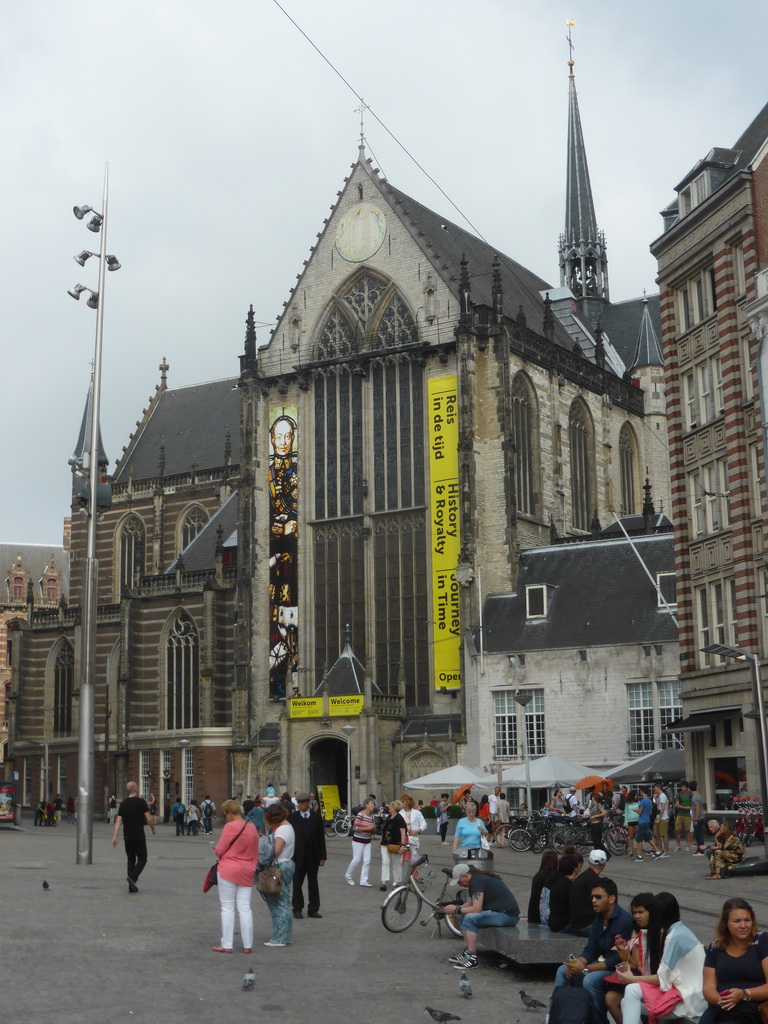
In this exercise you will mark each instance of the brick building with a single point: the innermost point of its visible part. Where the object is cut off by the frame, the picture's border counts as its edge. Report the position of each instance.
(714, 243)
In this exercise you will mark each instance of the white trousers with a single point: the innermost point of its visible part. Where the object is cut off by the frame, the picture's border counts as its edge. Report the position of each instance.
(391, 863)
(632, 1005)
(232, 895)
(360, 852)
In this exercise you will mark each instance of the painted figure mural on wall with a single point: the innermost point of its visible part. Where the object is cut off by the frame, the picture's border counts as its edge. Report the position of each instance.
(283, 547)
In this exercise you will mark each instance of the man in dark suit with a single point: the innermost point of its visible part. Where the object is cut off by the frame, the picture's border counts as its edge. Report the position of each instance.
(309, 857)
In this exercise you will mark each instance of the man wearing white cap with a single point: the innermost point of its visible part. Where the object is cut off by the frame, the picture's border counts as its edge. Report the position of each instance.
(580, 910)
(490, 905)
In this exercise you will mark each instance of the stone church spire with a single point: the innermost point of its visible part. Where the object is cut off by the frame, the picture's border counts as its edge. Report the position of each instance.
(83, 444)
(583, 258)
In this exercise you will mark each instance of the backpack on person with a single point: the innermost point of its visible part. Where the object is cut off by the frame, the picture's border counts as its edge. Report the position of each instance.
(571, 1005)
(208, 809)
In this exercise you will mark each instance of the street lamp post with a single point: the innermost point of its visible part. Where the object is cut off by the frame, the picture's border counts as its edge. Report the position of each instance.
(524, 699)
(348, 730)
(762, 727)
(85, 782)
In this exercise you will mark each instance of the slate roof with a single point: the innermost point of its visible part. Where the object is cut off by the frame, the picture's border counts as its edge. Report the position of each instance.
(201, 552)
(580, 220)
(745, 149)
(446, 242)
(600, 596)
(35, 558)
(192, 423)
(345, 676)
(632, 338)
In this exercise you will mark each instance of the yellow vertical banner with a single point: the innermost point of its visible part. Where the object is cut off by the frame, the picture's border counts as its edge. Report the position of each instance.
(443, 427)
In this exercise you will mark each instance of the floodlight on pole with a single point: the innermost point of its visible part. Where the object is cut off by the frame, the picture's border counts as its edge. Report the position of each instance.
(725, 651)
(87, 739)
(524, 699)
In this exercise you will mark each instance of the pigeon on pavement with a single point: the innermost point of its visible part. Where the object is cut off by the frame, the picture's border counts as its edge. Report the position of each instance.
(530, 1003)
(250, 979)
(45, 885)
(440, 1015)
(464, 986)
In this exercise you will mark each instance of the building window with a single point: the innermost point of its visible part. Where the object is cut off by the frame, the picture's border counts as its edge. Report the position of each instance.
(166, 769)
(582, 474)
(535, 602)
(145, 783)
(702, 610)
(526, 447)
(533, 715)
(754, 481)
(17, 588)
(628, 469)
(182, 675)
(27, 796)
(738, 270)
(63, 689)
(131, 553)
(51, 590)
(665, 581)
(696, 299)
(727, 732)
(710, 499)
(505, 720)
(691, 401)
(640, 700)
(716, 374)
(398, 438)
(670, 709)
(193, 522)
(188, 775)
(61, 774)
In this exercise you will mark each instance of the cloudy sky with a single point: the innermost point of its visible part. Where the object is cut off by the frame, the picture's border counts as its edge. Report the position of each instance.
(228, 137)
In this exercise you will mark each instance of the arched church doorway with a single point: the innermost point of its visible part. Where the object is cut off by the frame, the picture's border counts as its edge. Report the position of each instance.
(328, 765)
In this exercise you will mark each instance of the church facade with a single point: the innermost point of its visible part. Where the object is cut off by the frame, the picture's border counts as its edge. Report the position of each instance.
(293, 568)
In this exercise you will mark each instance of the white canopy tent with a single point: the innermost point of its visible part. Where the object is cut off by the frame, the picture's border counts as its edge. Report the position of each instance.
(546, 773)
(666, 764)
(446, 778)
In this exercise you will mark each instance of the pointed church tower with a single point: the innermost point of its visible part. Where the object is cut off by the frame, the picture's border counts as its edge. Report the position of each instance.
(82, 450)
(583, 258)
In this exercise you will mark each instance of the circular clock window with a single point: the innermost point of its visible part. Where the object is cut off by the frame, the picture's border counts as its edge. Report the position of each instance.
(361, 233)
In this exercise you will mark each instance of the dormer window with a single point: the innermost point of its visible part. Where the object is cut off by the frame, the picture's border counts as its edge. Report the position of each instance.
(694, 194)
(17, 588)
(536, 602)
(665, 581)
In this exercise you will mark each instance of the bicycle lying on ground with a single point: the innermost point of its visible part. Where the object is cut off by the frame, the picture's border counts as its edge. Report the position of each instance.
(401, 907)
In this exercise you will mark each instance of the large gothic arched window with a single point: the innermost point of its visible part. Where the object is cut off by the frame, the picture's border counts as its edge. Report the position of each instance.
(182, 674)
(63, 689)
(526, 445)
(193, 521)
(627, 469)
(581, 441)
(131, 553)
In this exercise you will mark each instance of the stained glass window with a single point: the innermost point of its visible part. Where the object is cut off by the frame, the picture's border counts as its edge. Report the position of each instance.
(63, 689)
(525, 440)
(627, 463)
(582, 460)
(182, 675)
(131, 553)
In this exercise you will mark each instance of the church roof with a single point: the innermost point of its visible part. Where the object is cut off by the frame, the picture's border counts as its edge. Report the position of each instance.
(345, 676)
(598, 594)
(634, 328)
(201, 552)
(192, 424)
(445, 243)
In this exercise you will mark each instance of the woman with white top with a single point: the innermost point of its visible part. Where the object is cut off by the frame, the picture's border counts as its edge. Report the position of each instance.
(285, 845)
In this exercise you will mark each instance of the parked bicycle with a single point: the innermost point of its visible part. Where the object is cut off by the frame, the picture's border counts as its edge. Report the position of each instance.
(749, 821)
(402, 907)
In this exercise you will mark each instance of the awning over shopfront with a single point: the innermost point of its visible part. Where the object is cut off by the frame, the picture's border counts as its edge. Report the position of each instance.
(701, 720)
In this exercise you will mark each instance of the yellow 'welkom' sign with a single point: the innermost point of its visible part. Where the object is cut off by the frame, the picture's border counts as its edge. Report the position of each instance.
(312, 707)
(443, 426)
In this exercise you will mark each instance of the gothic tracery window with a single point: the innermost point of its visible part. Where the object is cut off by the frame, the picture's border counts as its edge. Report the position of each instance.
(581, 439)
(182, 674)
(364, 295)
(337, 338)
(131, 553)
(194, 520)
(628, 469)
(63, 689)
(396, 326)
(525, 441)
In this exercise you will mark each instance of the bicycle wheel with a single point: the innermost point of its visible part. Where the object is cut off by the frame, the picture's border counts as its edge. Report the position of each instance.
(400, 909)
(341, 827)
(539, 840)
(559, 840)
(577, 837)
(454, 920)
(616, 841)
(519, 839)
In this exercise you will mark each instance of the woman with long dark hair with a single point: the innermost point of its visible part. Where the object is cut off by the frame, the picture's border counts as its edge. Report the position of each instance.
(676, 961)
(568, 868)
(736, 967)
(543, 879)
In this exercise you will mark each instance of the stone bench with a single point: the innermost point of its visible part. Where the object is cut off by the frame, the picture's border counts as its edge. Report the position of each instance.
(529, 943)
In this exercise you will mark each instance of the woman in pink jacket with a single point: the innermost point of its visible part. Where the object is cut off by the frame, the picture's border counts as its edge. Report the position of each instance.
(238, 851)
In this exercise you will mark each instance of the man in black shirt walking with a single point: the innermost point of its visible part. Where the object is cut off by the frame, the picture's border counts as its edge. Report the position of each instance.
(133, 814)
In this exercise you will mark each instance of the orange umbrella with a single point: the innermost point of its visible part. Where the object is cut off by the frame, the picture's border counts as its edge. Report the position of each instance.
(460, 792)
(595, 782)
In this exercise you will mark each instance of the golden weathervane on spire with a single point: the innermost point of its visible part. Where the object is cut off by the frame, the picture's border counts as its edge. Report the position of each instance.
(570, 23)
